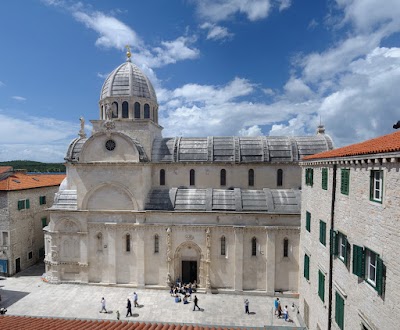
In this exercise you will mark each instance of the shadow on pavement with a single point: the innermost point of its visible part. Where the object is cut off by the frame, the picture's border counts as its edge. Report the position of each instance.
(35, 270)
(9, 297)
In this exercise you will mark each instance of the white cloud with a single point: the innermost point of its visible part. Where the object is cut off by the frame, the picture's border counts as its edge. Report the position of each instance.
(216, 32)
(296, 89)
(219, 10)
(19, 98)
(254, 130)
(39, 139)
(284, 4)
(102, 75)
(2, 84)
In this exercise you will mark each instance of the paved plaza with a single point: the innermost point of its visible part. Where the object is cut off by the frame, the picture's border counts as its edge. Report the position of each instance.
(27, 294)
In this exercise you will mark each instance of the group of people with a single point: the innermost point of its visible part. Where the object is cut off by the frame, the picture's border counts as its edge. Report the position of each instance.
(128, 305)
(281, 312)
(186, 291)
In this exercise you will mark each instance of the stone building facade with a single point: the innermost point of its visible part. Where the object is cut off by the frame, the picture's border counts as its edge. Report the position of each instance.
(24, 200)
(143, 210)
(350, 236)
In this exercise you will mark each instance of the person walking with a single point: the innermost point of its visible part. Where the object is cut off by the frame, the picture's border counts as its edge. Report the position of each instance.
(128, 308)
(103, 305)
(195, 303)
(246, 306)
(286, 314)
(135, 299)
(276, 304)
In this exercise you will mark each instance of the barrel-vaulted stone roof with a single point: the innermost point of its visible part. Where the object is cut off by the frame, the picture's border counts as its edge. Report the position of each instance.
(285, 201)
(239, 149)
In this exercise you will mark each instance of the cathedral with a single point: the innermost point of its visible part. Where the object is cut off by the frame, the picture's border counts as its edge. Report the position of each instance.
(144, 210)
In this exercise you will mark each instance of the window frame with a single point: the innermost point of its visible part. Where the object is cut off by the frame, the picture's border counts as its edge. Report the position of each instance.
(373, 183)
(251, 177)
(162, 177)
(156, 243)
(345, 181)
(368, 256)
(321, 285)
(146, 111)
(42, 200)
(324, 178)
(309, 176)
(223, 245)
(254, 247)
(339, 310)
(306, 271)
(136, 110)
(322, 232)
(279, 177)
(286, 247)
(308, 221)
(222, 177)
(192, 177)
(127, 243)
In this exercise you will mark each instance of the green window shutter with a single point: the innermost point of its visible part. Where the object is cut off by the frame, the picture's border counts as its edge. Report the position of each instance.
(27, 203)
(339, 310)
(44, 222)
(322, 232)
(334, 244)
(344, 183)
(358, 261)
(371, 186)
(306, 266)
(380, 276)
(306, 176)
(21, 205)
(308, 221)
(325, 178)
(311, 176)
(321, 285)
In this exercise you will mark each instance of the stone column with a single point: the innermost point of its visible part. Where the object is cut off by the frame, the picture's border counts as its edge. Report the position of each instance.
(140, 255)
(111, 252)
(83, 245)
(270, 271)
(238, 259)
(169, 259)
(208, 259)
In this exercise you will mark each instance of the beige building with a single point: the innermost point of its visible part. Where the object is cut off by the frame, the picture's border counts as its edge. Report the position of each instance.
(24, 200)
(140, 209)
(350, 236)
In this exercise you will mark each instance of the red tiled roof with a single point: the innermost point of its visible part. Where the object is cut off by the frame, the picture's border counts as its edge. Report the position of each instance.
(11, 322)
(5, 169)
(20, 180)
(382, 144)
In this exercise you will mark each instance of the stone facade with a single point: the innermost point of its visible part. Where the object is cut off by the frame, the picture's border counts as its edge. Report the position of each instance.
(142, 210)
(364, 222)
(21, 231)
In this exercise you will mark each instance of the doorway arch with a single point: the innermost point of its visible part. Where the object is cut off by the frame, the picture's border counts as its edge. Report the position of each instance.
(188, 263)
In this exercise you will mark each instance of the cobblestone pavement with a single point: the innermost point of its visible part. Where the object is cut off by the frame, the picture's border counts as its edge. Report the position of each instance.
(27, 294)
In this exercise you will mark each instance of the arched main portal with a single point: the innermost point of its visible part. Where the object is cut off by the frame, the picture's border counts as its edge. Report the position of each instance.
(188, 263)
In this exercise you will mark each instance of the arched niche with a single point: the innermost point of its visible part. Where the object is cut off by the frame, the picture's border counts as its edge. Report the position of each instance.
(187, 258)
(109, 196)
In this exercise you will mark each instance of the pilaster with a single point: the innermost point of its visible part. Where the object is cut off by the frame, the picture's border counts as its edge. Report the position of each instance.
(112, 253)
(238, 255)
(140, 238)
(270, 264)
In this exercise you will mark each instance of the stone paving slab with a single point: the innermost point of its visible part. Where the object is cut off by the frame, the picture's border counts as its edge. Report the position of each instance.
(27, 294)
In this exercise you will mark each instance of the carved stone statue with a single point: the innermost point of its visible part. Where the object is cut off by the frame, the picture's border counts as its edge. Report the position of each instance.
(109, 111)
(82, 133)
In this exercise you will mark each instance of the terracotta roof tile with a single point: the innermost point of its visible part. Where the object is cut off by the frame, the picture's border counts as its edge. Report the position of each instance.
(20, 181)
(5, 169)
(11, 322)
(382, 144)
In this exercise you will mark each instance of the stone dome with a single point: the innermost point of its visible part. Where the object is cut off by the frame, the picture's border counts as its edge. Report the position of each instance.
(128, 80)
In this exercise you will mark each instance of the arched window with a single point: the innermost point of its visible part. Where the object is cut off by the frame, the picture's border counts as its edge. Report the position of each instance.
(223, 246)
(125, 110)
(128, 243)
(102, 112)
(192, 178)
(285, 247)
(115, 110)
(137, 110)
(162, 177)
(156, 244)
(223, 177)
(279, 178)
(251, 177)
(254, 246)
(99, 242)
(146, 111)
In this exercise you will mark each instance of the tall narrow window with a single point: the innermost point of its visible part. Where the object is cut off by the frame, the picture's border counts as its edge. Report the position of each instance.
(125, 110)
(99, 243)
(376, 186)
(223, 177)
(146, 111)
(251, 177)
(128, 243)
(324, 181)
(156, 244)
(223, 246)
(254, 246)
(322, 232)
(321, 285)
(162, 177)
(308, 221)
(42, 200)
(44, 222)
(339, 310)
(344, 182)
(279, 178)
(307, 266)
(137, 110)
(192, 178)
(285, 247)
(309, 176)
(115, 110)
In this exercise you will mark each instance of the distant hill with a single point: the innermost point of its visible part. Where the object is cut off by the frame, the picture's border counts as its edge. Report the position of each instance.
(37, 167)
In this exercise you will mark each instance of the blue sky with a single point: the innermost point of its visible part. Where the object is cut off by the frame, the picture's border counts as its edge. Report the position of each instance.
(219, 67)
